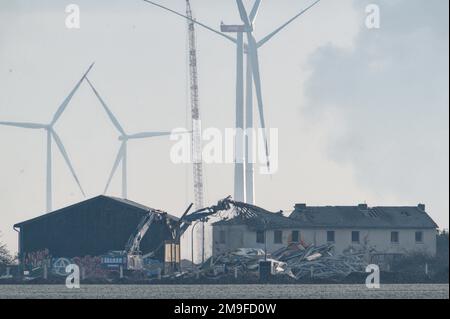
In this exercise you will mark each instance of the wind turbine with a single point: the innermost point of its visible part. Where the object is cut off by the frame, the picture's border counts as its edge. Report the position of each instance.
(52, 135)
(244, 182)
(122, 155)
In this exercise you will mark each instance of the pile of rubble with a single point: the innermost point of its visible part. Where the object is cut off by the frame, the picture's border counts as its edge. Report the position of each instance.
(243, 261)
(319, 262)
(296, 260)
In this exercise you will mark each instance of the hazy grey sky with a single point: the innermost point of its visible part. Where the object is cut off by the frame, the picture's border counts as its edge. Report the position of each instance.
(362, 114)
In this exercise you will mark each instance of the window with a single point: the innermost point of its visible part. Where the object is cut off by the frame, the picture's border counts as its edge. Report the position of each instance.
(222, 237)
(277, 237)
(395, 237)
(260, 237)
(355, 236)
(419, 237)
(330, 236)
(295, 236)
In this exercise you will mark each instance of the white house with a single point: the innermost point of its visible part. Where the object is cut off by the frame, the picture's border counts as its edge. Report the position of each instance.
(383, 230)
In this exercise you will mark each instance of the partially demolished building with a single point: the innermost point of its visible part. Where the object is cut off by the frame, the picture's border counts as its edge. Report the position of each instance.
(383, 230)
(312, 242)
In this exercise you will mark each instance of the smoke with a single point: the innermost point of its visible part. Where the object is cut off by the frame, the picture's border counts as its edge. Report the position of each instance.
(389, 96)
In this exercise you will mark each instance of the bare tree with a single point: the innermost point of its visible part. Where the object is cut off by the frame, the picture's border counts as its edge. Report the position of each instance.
(5, 255)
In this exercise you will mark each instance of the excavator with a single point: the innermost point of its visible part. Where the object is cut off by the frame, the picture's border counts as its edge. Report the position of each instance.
(132, 253)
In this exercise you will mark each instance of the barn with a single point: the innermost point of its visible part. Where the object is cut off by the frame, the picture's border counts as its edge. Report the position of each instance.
(92, 228)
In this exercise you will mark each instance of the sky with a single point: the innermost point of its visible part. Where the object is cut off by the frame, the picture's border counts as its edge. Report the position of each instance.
(362, 113)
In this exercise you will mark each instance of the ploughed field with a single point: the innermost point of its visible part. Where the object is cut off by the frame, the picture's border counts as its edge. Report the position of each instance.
(415, 291)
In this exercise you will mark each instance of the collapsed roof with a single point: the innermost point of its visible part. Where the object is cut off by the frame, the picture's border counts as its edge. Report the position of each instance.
(257, 218)
(360, 216)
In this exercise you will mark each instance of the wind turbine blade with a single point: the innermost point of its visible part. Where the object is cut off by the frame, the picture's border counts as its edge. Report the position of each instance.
(271, 35)
(24, 125)
(107, 109)
(49, 184)
(67, 159)
(119, 157)
(66, 101)
(254, 11)
(243, 12)
(193, 20)
(253, 51)
(148, 134)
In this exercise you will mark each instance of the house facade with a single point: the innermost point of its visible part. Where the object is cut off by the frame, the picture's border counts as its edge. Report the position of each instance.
(378, 230)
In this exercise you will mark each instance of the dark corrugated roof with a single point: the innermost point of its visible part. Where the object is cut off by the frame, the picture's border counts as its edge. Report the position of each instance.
(363, 217)
(120, 201)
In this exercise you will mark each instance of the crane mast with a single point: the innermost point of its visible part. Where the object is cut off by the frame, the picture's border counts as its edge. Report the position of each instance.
(196, 123)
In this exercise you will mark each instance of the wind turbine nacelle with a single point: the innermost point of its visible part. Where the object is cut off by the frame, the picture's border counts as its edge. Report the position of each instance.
(235, 28)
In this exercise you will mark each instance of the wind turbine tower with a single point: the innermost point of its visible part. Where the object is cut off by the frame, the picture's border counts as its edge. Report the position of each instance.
(244, 171)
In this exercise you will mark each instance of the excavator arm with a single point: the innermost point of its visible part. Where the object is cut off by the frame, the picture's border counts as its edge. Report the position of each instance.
(132, 248)
(135, 239)
(203, 214)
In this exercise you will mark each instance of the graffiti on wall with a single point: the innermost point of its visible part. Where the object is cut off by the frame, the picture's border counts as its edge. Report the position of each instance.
(37, 259)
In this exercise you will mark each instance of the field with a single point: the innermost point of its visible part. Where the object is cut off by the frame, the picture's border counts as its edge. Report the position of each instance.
(226, 292)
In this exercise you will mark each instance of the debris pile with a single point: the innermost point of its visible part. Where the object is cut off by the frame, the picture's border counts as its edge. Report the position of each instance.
(296, 260)
(241, 261)
(319, 262)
